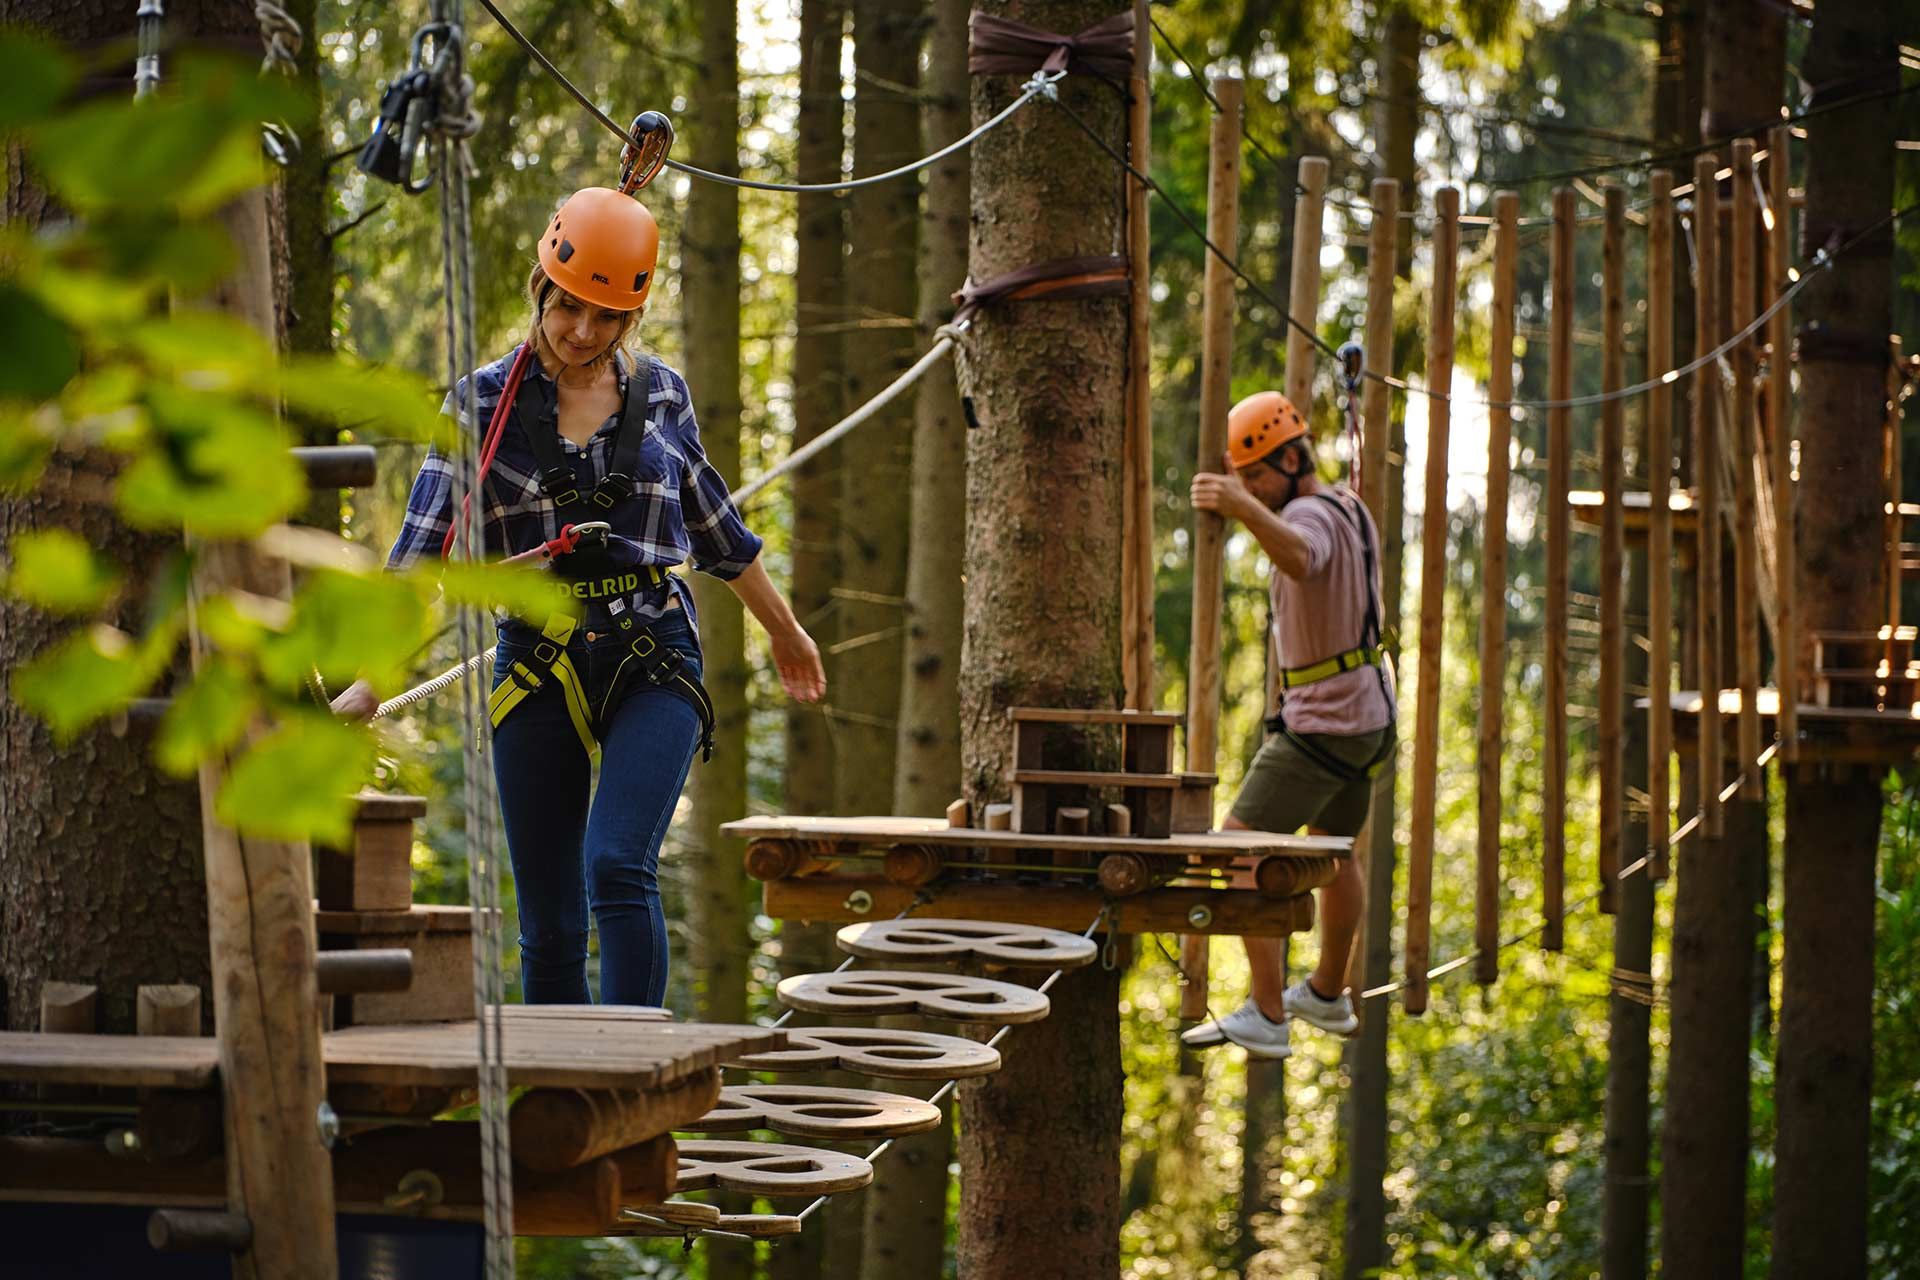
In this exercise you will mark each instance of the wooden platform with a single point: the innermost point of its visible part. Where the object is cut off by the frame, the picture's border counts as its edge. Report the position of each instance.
(1845, 735)
(882, 833)
(1635, 510)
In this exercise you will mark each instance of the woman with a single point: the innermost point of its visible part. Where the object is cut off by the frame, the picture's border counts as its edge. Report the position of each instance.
(596, 470)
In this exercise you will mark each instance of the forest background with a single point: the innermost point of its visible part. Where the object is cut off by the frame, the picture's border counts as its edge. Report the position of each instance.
(1496, 1095)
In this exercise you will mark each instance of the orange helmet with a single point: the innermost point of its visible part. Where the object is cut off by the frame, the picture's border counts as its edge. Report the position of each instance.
(601, 247)
(1260, 424)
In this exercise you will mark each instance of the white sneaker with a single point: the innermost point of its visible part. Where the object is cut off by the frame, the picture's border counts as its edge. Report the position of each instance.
(1246, 1027)
(1335, 1015)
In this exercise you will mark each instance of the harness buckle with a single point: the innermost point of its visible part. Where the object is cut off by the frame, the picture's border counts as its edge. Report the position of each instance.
(521, 676)
(667, 668)
(546, 651)
(646, 638)
(608, 493)
(561, 485)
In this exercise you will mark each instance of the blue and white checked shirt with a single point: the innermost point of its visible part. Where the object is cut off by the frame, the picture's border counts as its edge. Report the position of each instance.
(679, 508)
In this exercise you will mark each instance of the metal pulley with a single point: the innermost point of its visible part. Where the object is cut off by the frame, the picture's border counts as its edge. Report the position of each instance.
(1353, 364)
(393, 152)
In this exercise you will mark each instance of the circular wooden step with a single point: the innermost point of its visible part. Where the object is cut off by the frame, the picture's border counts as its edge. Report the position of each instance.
(1021, 945)
(816, 1111)
(769, 1169)
(882, 1052)
(934, 995)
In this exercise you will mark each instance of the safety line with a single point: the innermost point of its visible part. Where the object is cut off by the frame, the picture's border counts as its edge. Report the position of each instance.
(1041, 85)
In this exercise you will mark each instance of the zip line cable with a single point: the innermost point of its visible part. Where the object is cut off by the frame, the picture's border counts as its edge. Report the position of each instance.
(1039, 86)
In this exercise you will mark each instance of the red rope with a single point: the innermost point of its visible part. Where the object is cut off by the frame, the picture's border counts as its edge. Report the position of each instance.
(496, 428)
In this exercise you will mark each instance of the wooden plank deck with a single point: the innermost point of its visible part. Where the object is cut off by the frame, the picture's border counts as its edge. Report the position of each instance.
(886, 832)
(1857, 735)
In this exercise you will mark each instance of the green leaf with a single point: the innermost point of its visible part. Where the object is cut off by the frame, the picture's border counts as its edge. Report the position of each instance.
(209, 715)
(299, 781)
(34, 76)
(92, 672)
(349, 394)
(210, 348)
(347, 625)
(525, 592)
(42, 353)
(25, 444)
(56, 570)
(220, 468)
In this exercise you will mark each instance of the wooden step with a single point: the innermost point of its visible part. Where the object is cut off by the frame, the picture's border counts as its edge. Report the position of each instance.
(1073, 715)
(931, 995)
(885, 1053)
(981, 941)
(817, 1111)
(1093, 778)
(375, 871)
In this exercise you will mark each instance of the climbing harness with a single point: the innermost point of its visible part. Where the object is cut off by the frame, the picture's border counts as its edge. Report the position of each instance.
(1368, 653)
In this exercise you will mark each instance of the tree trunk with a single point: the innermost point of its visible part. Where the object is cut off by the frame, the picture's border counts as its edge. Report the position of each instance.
(875, 474)
(101, 878)
(1366, 1227)
(1039, 1141)
(1825, 1068)
(819, 287)
(307, 204)
(906, 1224)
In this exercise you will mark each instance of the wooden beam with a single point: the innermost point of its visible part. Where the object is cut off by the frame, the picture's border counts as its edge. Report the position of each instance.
(556, 1129)
(199, 1230)
(1376, 399)
(1706, 478)
(1613, 545)
(1433, 586)
(1553, 877)
(1136, 569)
(1786, 677)
(1216, 389)
(1660, 526)
(1303, 299)
(1746, 453)
(69, 1008)
(374, 969)
(1493, 589)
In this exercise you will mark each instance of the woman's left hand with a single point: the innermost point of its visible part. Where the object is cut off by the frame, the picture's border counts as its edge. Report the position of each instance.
(798, 660)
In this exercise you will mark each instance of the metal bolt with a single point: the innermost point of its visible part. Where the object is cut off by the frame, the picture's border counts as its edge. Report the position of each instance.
(859, 902)
(1200, 915)
(419, 1189)
(328, 1122)
(123, 1142)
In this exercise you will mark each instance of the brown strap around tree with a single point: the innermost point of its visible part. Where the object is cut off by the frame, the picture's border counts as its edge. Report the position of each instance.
(1001, 46)
(1099, 276)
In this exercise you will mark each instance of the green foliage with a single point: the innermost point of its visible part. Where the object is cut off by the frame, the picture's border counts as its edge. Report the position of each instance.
(56, 570)
(93, 672)
(297, 781)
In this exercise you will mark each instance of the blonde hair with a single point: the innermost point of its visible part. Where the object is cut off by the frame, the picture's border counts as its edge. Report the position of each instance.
(540, 291)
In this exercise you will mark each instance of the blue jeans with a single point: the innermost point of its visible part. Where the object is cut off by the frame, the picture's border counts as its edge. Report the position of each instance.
(574, 853)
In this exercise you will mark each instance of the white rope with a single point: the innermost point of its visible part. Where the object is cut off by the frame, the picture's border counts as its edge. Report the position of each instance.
(421, 692)
(151, 20)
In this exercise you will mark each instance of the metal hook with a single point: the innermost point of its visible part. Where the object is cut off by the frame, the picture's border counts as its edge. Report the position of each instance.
(649, 139)
(1353, 363)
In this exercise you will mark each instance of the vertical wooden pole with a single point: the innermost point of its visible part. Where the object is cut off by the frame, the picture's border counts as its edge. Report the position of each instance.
(1746, 535)
(1304, 295)
(1660, 525)
(1559, 531)
(1613, 545)
(1706, 476)
(1895, 525)
(1376, 397)
(1136, 566)
(1493, 588)
(1216, 359)
(1786, 644)
(1433, 585)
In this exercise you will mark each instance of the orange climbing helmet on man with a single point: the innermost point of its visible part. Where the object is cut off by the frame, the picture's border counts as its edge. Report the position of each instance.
(1260, 424)
(601, 247)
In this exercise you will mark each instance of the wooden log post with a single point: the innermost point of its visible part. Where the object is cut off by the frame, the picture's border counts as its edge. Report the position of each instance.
(1786, 640)
(1706, 475)
(1660, 526)
(69, 1008)
(1746, 450)
(260, 923)
(171, 1009)
(1493, 590)
(1613, 544)
(1303, 299)
(1136, 569)
(1553, 877)
(554, 1129)
(198, 1230)
(1433, 585)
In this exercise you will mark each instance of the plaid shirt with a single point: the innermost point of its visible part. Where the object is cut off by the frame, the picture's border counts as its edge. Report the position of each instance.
(679, 508)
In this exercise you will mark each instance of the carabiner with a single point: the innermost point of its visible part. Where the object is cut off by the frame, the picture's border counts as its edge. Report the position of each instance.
(403, 109)
(1353, 363)
(649, 139)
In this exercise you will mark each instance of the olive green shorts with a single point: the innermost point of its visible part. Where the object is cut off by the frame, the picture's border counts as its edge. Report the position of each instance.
(1287, 789)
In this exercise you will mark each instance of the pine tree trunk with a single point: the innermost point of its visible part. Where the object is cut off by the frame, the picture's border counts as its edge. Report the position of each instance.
(1039, 1141)
(906, 1224)
(101, 877)
(819, 287)
(710, 305)
(1366, 1227)
(1825, 1073)
(875, 461)
(306, 198)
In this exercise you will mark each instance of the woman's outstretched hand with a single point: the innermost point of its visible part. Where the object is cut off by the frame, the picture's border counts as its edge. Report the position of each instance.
(798, 660)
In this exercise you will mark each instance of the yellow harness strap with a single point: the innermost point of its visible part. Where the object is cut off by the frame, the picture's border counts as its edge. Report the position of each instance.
(1338, 664)
(550, 653)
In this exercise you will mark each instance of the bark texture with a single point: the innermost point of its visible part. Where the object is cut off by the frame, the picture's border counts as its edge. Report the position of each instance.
(1825, 1066)
(1039, 1141)
(875, 461)
(101, 877)
(818, 393)
(1366, 1224)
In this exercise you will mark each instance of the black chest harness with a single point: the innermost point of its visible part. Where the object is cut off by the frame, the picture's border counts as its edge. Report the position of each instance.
(592, 576)
(1367, 653)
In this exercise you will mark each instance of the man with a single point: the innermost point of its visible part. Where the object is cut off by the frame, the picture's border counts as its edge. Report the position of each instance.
(1336, 729)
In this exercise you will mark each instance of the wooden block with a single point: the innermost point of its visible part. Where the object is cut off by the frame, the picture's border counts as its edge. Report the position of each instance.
(167, 1010)
(376, 872)
(1152, 813)
(999, 817)
(959, 814)
(816, 1111)
(555, 1129)
(69, 1008)
(1119, 820)
(649, 1171)
(1193, 804)
(1032, 808)
(1028, 742)
(1071, 821)
(441, 989)
(1148, 748)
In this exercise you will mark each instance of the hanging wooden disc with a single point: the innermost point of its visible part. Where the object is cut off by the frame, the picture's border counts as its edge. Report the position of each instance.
(1026, 946)
(769, 1169)
(813, 1111)
(881, 1052)
(680, 1213)
(761, 1226)
(933, 995)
